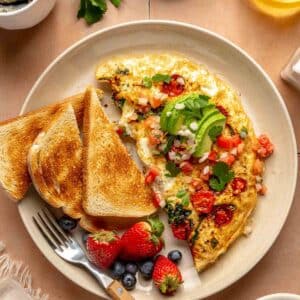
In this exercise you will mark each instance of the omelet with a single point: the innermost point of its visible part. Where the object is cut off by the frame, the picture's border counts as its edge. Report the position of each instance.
(197, 143)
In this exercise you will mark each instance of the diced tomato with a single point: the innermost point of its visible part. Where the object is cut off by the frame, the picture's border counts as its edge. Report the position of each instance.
(181, 231)
(174, 87)
(156, 200)
(186, 167)
(155, 102)
(196, 183)
(265, 147)
(229, 159)
(151, 175)
(213, 156)
(120, 131)
(238, 185)
(222, 110)
(205, 177)
(258, 167)
(203, 201)
(222, 214)
(228, 142)
(153, 140)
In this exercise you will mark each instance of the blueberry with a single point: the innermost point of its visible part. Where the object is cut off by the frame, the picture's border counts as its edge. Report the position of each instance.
(118, 269)
(175, 256)
(85, 236)
(131, 268)
(128, 281)
(67, 223)
(146, 269)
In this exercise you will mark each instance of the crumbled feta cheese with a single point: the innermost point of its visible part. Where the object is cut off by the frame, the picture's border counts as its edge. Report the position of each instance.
(234, 151)
(177, 143)
(179, 106)
(223, 155)
(186, 156)
(159, 95)
(194, 126)
(186, 132)
(142, 101)
(210, 90)
(168, 114)
(203, 158)
(180, 80)
(172, 155)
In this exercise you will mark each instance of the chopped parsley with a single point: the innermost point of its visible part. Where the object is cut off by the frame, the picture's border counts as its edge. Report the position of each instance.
(172, 169)
(221, 176)
(214, 132)
(148, 81)
(184, 196)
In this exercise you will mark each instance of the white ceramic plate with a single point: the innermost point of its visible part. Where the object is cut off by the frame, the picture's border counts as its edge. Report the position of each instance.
(73, 70)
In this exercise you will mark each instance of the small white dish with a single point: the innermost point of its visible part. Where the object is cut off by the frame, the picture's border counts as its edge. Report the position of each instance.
(280, 296)
(27, 16)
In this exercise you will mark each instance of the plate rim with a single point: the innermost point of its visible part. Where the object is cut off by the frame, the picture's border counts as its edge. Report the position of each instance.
(229, 43)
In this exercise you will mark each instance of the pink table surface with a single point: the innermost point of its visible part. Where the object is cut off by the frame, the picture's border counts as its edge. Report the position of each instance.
(25, 53)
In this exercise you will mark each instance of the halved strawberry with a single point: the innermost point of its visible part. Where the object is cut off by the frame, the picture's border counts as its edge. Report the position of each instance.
(166, 275)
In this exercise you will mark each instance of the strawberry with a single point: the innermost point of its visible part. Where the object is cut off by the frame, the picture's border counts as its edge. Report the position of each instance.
(103, 248)
(143, 240)
(166, 275)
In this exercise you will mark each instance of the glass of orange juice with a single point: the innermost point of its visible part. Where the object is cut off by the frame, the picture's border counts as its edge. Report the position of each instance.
(278, 8)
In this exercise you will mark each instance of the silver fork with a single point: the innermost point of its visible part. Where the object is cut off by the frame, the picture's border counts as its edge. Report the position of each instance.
(68, 249)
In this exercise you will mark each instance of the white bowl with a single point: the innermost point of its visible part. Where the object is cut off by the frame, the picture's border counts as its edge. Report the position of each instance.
(280, 296)
(27, 16)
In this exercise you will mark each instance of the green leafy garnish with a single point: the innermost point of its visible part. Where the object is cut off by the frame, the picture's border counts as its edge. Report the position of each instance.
(181, 193)
(116, 3)
(243, 132)
(169, 144)
(193, 109)
(214, 132)
(93, 10)
(184, 196)
(147, 82)
(161, 78)
(221, 176)
(172, 169)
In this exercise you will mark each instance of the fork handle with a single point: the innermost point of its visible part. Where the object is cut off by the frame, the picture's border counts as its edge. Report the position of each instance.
(118, 292)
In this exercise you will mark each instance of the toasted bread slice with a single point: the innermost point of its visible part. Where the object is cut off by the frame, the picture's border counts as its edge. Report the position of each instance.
(113, 185)
(17, 136)
(55, 163)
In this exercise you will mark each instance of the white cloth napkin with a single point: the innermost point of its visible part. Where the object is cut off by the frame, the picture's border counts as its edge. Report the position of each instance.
(15, 280)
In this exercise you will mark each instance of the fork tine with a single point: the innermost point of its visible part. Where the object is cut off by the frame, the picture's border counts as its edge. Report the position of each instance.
(45, 234)
(51, 228)
(53, 221)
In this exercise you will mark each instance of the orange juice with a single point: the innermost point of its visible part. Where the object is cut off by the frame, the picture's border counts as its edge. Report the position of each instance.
(278, 8)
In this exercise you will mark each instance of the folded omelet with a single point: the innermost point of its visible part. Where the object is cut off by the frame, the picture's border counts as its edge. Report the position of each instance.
(196, 141)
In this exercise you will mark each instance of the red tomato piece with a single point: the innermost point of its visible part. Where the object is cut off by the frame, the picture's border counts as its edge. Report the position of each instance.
(213, 156)
(222, 214)
(181, 231)
(175, 87)
(151, 175)
(228, 142)
(186, 167)
(238, 185)
(222, 110)
(156, 200)
(229, 159)
(120, 131)
(203, 201)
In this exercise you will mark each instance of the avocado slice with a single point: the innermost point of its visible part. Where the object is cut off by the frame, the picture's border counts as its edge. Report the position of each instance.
(172, 119)
(203, 140)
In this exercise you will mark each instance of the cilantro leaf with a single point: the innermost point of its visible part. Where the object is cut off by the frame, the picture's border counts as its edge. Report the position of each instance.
(147, 82)
(181, 193)
(161, 78)
(172, 169)
(221, 176)
(214, 132)
(116, 3)
(93, 10)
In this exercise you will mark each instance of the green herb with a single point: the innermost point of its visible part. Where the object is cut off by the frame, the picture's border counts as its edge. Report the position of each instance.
(185, 200)
(147, 82)
(172, 169)
(243, 133)
(181, 193)
(119, 102)
(221, 176)
(161, 78)
(194, 105)
(93, 10)
(124, 71)
(214, 242)
(116, 3)
(195, 235)
(214, 132)
(169, 144)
